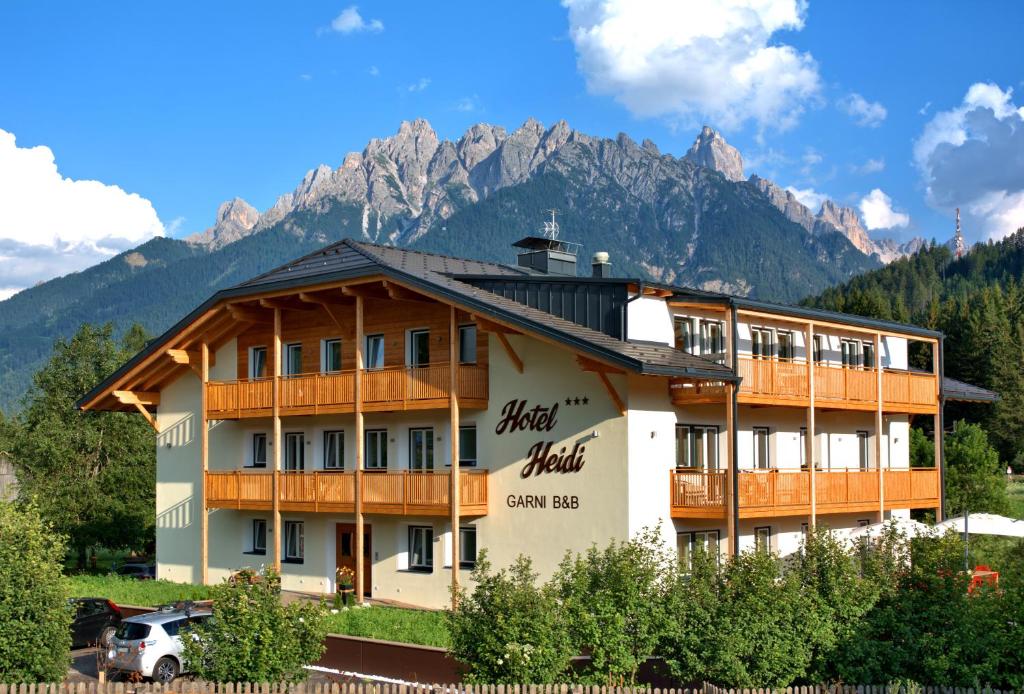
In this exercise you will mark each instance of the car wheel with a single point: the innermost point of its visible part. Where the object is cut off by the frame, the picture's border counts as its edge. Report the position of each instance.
(106, 636)
(165, 670)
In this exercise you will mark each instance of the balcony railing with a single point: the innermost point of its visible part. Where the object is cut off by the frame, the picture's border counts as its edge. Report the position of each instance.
(768, 493)
(390, 388)
(401, 492)
(785, 382)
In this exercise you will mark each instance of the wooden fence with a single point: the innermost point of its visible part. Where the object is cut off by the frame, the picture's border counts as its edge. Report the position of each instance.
(190, 687)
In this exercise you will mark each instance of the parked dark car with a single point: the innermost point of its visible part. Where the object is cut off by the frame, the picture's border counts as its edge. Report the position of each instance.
(95, 621)
(143, 572)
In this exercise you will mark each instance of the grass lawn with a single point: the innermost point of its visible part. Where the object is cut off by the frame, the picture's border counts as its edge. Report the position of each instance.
(1015, 493)
(129, 591)
(392, 624)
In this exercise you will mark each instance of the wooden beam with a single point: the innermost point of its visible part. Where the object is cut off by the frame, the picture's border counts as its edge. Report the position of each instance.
(286, 305)
(833, 325)
(696, 305)
(489, 326)
(249, 315)
(588, 364)
(275, 394)
(612, 393)
(365, 291)
(360, 432)
(149, 417)
(204, 455)
(157, 377)
(133, 397)
(879, 423)
(332, 308)
(510, 351)
(400, 293)
(453, 427)
(730, 462)
(189, 358)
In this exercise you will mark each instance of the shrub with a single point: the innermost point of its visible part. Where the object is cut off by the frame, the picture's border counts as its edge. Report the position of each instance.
(253, 637)
(509, 630)
(35, 620)
(975, 479)
(614, 601)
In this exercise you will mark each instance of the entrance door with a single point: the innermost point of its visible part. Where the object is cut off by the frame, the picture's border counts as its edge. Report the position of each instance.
(345, 549)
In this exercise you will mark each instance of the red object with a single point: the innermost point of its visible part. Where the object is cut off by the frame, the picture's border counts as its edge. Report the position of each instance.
(981, 576)
(114, 608)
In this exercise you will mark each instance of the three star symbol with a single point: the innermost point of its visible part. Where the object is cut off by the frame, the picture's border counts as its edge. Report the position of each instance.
(577, 401)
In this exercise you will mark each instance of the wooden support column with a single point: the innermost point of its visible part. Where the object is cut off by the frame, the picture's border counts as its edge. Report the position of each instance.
(204, 454)
(809, 453)
(940, 463)
(731, 498)
(360, 452)
(878, 430)
(453, 409)
(276, 415)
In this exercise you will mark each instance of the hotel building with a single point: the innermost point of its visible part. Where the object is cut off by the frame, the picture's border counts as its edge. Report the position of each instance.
(396, 412)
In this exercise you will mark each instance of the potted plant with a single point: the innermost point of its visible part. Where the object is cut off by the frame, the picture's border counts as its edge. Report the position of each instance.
(345, 579)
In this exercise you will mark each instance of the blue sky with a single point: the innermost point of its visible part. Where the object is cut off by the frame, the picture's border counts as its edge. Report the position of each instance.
(185, 105)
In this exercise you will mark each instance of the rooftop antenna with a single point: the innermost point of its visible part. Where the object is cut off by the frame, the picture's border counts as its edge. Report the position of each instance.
(958, 240)
(551, 227)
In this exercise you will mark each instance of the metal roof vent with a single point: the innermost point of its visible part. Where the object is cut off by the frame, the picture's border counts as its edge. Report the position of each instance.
(601, 265)
(546, 254)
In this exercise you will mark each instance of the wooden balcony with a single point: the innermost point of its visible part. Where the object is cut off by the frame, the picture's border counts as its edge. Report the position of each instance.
(784, 382)
(773, 493)
(392, 388)
(398, 493)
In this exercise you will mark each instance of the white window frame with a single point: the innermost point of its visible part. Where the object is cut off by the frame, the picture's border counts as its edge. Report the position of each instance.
(767, 432)
(291, 553)
(410, 347)
(382, 456)
(338, 434)
(763, 539)
(325, 355)
(463, 460)
(687, 344)
(712, 344)
(253, 462)
(469, 329)
(703, 436)
(298, 465)
(763, 345)
(849, 350)
(376, 338)
(427, 464)
(415, 531)
(287, 352)
(868, 348)
(687, 541)
(789, 338)
(863, 450)
(254, 535)
(818, 349)
(465, 531)
(252, 362)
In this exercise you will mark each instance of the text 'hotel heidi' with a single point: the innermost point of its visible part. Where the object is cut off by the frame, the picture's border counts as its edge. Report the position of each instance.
(397, 412)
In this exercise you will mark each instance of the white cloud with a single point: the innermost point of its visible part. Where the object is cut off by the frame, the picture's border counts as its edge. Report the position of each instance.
(877, 212)
(696, 61)
(51, 225)
(351, 22)
(972, 157)
(419, 85)
(373, 71)
(305, 77)
(808, 197)
(468, 104)
(869, 167)
(810, 159)
(8, 292)
(867, 114)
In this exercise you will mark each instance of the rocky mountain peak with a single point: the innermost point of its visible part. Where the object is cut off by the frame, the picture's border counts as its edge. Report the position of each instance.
(711, 151)
(235, 220)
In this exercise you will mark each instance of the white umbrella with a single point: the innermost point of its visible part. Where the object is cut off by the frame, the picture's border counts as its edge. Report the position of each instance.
(984, 524)
(906, 526)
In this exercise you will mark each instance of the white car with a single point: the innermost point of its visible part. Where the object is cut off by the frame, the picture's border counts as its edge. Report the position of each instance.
(150, 644)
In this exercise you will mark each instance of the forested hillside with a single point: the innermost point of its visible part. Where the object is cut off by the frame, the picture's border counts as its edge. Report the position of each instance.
(978, 302)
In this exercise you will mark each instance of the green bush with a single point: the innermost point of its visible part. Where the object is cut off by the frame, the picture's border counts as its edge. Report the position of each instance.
(35, 620)
(509, 630)
(614, 602)
(131, 591)
(975, 479)
(253, 637)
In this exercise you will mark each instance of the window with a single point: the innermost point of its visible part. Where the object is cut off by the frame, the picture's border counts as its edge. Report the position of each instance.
(785, 339)
(697, 446)
(868, 350)
(293, 359)
(851, 353)
(172, 627)
(467, 445)
(684, 334)
(761, 438)
(862, 449)
(294, 541)
(819, 348)
(421, 548)
(375, 351)
(863, 523)
(421, 449)
(803, 448)
(763, 539)
(689, 544)
(257, 362)
(294, 451)
(467, 344)
(761, 343)
(259, 450)
(334, 450)
(805, 530)
(259, 536)
(376, 449)
(467, 548)
(712, 340)
(419, 347)
(332, 356)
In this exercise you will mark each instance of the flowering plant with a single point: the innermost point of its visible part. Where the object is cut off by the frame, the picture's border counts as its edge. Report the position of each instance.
(345, 577)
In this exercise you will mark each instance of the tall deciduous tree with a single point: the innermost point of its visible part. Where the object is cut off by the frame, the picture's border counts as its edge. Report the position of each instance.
(974, 477)
(91, 473)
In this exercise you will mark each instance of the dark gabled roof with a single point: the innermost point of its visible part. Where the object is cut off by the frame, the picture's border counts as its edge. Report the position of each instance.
(953, 389)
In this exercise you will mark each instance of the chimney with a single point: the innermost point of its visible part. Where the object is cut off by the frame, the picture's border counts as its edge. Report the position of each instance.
(601, 266)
